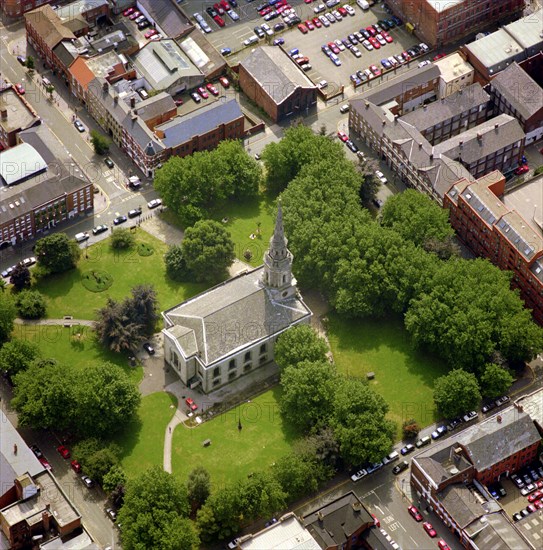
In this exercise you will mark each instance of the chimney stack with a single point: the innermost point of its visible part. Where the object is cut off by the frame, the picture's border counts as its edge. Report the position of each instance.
(367, 104)
(420, 144)
(132, 102)
(479, 136)
(320, 515)
(496, 126)
(499, 419)
(461, 143)
(15, 448)
(4, 114)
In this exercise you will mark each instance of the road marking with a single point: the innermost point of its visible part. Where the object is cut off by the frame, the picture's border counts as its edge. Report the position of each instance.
(380, 509)
(414, 541)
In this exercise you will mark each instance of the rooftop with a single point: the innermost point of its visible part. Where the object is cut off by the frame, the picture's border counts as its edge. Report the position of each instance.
(527, 31)
(18, 114)
(443, 5)
(212, 318)
(520, 90)
(20, 163)
(520, 235)
(532, 404)
(48, 25)
(75, 9)
(453, 66)
(155, 105)
(171, 20)
(494, 530)
(526, 200)
(202, 54)
(489, 207)
(278, 75)
(199, 122)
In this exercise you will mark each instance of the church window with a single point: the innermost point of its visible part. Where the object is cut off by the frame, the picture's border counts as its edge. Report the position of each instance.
(263, 348)
(284, 278)
(232, 375)
(217, 371)
(232, 364)
(247, 367)
(263, 359)
(247, 357)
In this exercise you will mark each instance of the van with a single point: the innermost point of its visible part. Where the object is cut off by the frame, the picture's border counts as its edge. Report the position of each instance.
(294, 52)
(363, 4)
(80, 237)
(344, 108)
(423, 441)
(46, 81)
(251, 40)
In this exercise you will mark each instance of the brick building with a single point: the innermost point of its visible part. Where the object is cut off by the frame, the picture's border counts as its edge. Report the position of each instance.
(16, 115)
(274, 82)
(496, 232)
(440, 22)
(16, 8)
(455, 74)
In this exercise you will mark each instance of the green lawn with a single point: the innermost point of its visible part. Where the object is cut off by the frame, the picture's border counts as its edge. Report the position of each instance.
(403, 376)
(142, 441)
(66, 294)
(67, 347)
(234, 454)
(243, 218)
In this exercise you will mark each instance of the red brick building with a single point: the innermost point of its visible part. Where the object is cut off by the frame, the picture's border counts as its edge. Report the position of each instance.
(16, 8)
(493, 231)
(440, 22)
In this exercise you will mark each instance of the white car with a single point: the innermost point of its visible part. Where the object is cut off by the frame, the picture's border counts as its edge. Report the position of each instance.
(356, 52)
(339, 44)
(319, 9)
(154, 203)
(381, 177)
(367, 45)
(233, 15)
(424, 47)
(324, 21)
(381, 40)
(359, 475)
(267, 29)
(349, 9)
(330, 17)
(337, 15)
(424, 63)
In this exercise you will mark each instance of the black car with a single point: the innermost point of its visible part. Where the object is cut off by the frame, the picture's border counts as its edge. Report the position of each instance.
(383, 24)
(440, 431)
(351, 146)
(488, 407)
(212, 12)
(119, 219)
(36, 450)
(365, 33)
(279, 27)
(399, 468)
(99, 229)
(144, 24)
(259, 32)
(109, 162)
(135, 212)
(21, 59)
(111, 514)
(233, 3)
(149, 348)
(454, 424)
(409, 448)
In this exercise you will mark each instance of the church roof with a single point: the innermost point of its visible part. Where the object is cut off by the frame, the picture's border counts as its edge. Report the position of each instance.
(230, 317)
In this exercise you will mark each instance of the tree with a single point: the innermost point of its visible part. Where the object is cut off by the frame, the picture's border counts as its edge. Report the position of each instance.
(369, 187)
(300, 343)
(220, 517)
(410, 428)
(98, 459)
(114, 479)
(176, 267)
(360, 424)
(20, 277)
(142, 308)
(417, 218)
(57, 253)
(122, 239)
(17, 355)
(260, 495)
(208, 251)
(154, 513)
(308, 394)
(3, 284)
(50, 90)
(456, 393)
(99, 142)
(198, 486)
(31, 304)
(495, 380)
(30, 63)
(8, 312)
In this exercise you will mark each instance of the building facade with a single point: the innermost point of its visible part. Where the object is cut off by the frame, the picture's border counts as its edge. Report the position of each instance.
(16, 8)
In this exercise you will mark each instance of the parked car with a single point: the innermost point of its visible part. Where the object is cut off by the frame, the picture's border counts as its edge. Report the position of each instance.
(374, 467)
(517, 481)
(415, 513)
(79, 125)
(381, 177)
(195, 97)
(528, 489)
(76, 467)
(226, 51)
(154, 203)
(109, 162)
(89, 483)
(522, 169)
(409, 448)
(427, 526)
(536, 495)
(149, 348)
(191, 404)
(27, 262)
(342, 136)
(453, 424)
(399, 468)
(135, 212)
(224, 81)
(440, 431)
(212, 89)
(359, 475)
(502, 400)
(517, 516)
(111, 514)
(488, 407)
(423, 441)
(394, 455)
(119, 219)
(202, 92)
(63, 451)
(352, 146)
(21, 59)
(99, 229)
(20, 89)
(472, 415)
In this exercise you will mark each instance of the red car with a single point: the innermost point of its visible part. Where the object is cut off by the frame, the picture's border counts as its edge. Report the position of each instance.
(134, 15)
(150, 33)
(342, 11)
(219, 20)
(387, 37)
(333, 47)
(302, 28)
(342, 136)
(535, 496)
(415, 513)
(212, 89)
(191, 404)
(265, 11)
(309, 25)
(219, 9)
(76, 467)
(375, 70)
(20, 89)
(44, 463)
(522, 169)
(128, 12)
(224, 81)
(539, 504)
(371, 30)
(429, 529)
(374, 42)
(224, 5)
(317, 22)
(438, 56)
(179, 102)
(308, 1)
(442, 545)
(376, 521)
(202, 91)
(64, 451)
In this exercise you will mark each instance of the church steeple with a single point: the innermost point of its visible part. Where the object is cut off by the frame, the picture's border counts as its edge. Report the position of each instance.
(277, 275)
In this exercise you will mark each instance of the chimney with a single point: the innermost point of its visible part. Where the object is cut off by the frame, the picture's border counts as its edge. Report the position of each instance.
(357, 506)
(105, 87)
(496, 126)
(461, 143)
(15, 448)
(132, 102)
(431, 156)
(4, 114)
(384, 122)
(367, 104)
(479, 136)
(520, 408)
(45, 518)
(320, 515)
(115, 99)
(499, 419)
(420, 144)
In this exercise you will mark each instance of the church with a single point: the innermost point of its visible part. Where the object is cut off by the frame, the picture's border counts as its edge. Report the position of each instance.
(231, 329)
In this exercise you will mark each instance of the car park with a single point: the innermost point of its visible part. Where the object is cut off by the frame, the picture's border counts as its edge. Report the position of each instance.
(135, 212)
(89, 483)
(386, 64)
(251, 40)
(149, 348)
(359, 475)
(267, 29)
(415, 513)
(517, 516)
(63, 451)
(355, 51)
(302, 28)
(191, 404)
(259, 32)
(440, 431)
(324, 21)
(427, 526)
(399, 468)
(154, 203)
(375, 70)
(407, 449)
(119, 219)
(367, 44)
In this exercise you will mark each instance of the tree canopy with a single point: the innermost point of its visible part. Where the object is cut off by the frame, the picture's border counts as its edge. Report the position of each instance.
(495, 380)
(57, 252)
(176, 266)
(20, 277)
(8, 312)
(191, 186)
(456, 393)
(100, 143)
(300, 343)
(208, 251)
(31, 304)
(17, 355)
(198, 486)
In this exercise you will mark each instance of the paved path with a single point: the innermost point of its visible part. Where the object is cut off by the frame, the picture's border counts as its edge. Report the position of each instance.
(70, 322)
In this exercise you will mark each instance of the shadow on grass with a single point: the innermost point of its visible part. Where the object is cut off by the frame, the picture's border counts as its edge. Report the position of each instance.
(130, 437)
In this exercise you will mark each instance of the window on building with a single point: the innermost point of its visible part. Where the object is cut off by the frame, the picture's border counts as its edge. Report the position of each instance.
(247, 357)
(232, 364)
(232, 375)
(263, 348)
(263, 359)
(217, 371)
(216, 382)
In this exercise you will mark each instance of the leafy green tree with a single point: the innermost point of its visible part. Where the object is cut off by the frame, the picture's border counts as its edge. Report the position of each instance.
(17, 355)
(154, 513)
(30, 63)
(198, 486)
(324, 445)
(360, 424)
(142, 308)
(495, 380)
(220, 517)
(260, 495)
(114, 479)
(85, 448)
(368, 188)
(456, 393)
(50, 90)
(100, 143)
(208, 251)
(45, 395)
(8, 312)
(102, 462)
(31, 304)
(57, 253)
(3, 284)
(20, 277)
(308, 393)
(176, 267)
(416, 217)
(300, 343)
(122, 239)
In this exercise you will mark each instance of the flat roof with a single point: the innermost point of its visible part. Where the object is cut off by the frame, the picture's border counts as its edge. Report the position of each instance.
(528, 202)
(18, 114)
(19, 163)
(443, 5)
(527, 31)
(497, 50)
(532, 404)
(453, 66)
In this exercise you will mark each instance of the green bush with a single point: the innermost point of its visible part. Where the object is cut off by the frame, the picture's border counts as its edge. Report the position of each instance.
(31, 304)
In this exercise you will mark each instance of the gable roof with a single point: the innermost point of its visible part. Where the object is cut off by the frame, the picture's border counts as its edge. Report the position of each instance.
(276, 73)
(48, 25)
(231, 316)
(167, 16)
(81, 72)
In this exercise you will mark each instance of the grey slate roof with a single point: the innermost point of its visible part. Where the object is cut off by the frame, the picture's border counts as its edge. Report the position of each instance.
(518, 88)
(183, 128)
(448, 107)
(167, 16)
(140, 132)
(494, 532)
(460, 503)
(233, 315)
(155, 105)
(275, 72)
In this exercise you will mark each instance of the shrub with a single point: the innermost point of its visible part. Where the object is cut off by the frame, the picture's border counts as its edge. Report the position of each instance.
(31, 304)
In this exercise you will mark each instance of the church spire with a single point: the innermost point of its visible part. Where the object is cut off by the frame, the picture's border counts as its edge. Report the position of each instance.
(277, 275)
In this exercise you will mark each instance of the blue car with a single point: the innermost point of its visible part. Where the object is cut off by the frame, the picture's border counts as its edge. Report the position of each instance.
(386, 63)
(397, 20)
(278, 41)
(226, 51)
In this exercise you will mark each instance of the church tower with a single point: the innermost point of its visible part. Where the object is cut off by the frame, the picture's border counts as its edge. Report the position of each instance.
(277, 275)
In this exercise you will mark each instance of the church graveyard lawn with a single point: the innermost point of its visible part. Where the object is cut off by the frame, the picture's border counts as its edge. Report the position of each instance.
(403, 376)
(142, 441)
(74, 346)
(66, 295)
(234, 454)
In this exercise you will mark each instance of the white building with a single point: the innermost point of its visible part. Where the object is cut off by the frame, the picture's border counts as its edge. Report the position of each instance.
(456, 74)
(231, 329)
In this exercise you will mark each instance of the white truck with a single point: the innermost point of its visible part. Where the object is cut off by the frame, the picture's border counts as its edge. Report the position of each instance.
(363, 4)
